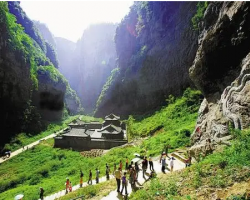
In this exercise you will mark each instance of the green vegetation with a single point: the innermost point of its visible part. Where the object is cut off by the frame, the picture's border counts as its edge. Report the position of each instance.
(219, 170)
(23, 139)
(29, 27)
(201, 7)
(173, 123)
(111, 79)
(22, 44)
(48, 167)
(51, 54)
(86, 118)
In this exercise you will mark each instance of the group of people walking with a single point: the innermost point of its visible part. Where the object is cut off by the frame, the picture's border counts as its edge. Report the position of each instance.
(129, 173)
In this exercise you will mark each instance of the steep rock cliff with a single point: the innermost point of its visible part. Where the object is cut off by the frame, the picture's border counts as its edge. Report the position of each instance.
(155, 44)
(221, 71)
(21, 86)
(50, 42)
(88, 63)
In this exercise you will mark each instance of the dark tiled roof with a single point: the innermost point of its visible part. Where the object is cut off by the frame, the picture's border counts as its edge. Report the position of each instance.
(110, 129)
(79, 132)
(112, 117)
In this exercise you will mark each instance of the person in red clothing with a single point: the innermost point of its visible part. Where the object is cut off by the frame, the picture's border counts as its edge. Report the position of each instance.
(67, 185)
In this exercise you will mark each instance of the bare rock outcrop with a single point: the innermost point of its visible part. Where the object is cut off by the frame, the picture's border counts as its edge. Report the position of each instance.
(221, 70)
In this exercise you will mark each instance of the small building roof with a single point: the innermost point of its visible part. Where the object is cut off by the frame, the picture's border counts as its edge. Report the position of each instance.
(112, 117)
(110, 129)
(78, 132)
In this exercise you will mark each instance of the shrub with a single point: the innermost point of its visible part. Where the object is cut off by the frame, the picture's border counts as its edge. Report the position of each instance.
(201, 7)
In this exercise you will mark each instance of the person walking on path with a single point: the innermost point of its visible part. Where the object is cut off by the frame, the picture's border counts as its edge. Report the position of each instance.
(124, 184)
(188, 161)
(90, 177)
(137, 169)
(144, 167)
(120, 165)
(151, 165)
(132, 177)
(41, 193)
(107, 172)
(171, 163)
(163, 164)
(114, 168)
(67, 185)
(126, 163)
(118, 175)
(81, 178)
(130, 166)
(97, 175)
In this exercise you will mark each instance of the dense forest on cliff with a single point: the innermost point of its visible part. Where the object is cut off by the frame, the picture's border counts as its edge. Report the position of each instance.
(32, 90)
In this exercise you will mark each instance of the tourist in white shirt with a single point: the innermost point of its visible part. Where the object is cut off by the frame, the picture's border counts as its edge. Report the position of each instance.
(171, 163)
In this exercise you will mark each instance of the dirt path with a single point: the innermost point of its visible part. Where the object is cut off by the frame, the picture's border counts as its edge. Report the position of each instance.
(29, 146)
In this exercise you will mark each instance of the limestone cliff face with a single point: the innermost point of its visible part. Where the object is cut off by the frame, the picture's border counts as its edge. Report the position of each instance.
(88, 63)
(221, 71)
(155, 45)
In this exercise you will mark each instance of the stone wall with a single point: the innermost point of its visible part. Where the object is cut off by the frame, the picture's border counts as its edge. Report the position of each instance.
(81, 144)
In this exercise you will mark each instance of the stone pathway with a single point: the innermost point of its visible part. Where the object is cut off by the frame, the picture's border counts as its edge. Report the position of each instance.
(178, 165)
(114, 195)
(76, 187)
(29, 146)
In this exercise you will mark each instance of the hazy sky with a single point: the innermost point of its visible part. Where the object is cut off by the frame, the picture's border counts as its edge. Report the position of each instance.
(68, 19)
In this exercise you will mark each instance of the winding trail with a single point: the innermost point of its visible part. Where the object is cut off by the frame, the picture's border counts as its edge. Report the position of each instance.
(178, 165)
(29, 146)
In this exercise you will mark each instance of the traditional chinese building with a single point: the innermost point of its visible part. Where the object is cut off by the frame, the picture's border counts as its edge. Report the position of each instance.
(94, 135)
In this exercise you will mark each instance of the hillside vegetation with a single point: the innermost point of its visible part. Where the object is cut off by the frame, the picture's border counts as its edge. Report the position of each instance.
(215, 175)
(53, 165)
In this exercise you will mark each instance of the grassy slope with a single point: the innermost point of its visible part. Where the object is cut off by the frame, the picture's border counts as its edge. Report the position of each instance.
(23, 139)
(174, 123)
(48, 167)
(219, 170)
